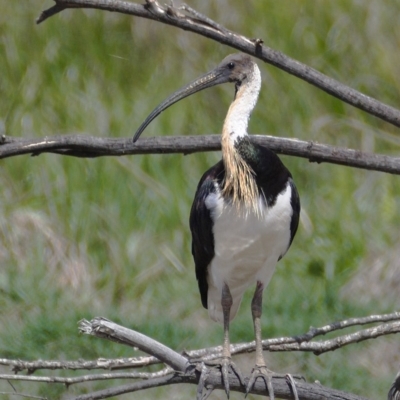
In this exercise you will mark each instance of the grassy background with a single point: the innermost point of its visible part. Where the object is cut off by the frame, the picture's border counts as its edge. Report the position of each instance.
(110, 237)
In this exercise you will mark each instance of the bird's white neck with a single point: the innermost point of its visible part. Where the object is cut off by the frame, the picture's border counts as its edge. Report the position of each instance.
(237, 119)
(239, 184)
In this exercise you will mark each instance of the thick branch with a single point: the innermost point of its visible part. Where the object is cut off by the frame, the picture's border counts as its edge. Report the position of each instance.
(306, 391)
(102, 327)
(89, 146)
(195, 22)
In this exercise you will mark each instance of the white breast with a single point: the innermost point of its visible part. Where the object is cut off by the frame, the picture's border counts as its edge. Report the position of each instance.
(247, 247)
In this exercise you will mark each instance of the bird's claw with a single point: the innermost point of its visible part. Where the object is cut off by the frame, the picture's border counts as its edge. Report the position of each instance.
(201, 395)
(292, 383)
(226, 366)
(261, 371)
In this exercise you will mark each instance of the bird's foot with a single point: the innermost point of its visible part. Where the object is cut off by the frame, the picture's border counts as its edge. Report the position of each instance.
(261, 371)
(201, 393)
(226, 366)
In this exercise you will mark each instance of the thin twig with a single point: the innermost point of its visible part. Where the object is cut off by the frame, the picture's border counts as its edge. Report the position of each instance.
(340, 341)
(28, 396)
(101, 363)
(295, 343)
(50, 12)
(86, 378)
(313, 332)
(202, 18)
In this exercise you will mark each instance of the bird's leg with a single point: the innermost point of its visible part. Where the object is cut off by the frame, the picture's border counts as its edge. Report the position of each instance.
(226, 303)
(260, 369)
(256, 312)
(226, 363)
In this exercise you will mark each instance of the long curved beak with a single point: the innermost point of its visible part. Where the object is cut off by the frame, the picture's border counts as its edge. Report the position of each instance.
(212, 78)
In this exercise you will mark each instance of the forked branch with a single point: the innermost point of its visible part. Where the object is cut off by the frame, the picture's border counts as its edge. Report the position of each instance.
(186, 368)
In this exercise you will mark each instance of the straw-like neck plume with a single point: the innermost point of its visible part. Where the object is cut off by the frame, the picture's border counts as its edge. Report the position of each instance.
(239, 180)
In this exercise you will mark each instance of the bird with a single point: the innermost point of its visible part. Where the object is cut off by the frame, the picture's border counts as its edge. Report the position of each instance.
(245, 212)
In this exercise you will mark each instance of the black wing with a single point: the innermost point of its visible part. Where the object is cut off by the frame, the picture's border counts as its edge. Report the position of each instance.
(295, 202)
(394, 391)
(201, 226)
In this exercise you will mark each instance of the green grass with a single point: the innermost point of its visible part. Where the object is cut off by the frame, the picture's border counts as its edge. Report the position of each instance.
(81, 238)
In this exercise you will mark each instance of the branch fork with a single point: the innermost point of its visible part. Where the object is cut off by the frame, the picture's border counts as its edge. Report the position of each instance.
(189, 367)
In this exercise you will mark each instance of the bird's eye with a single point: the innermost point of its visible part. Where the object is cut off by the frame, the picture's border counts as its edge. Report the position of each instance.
(231, 65)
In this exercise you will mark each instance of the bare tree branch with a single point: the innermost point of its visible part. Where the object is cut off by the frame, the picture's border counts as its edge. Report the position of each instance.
(306, 391)
(302, 342)
(90, 146)
(190, 373)
(313, 332)
(102, 327)
(101, 363)
(50, 12)
(27, 396)
(186, 370)
(341, 341)
(273, 344)
(107, 329)
(86, 378)
(195, 22)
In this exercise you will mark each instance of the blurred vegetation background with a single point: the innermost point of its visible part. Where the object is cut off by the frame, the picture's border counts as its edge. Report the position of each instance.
(81, 238)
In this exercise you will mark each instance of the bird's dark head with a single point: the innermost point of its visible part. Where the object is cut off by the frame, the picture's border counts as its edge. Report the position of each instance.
(237, 68)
